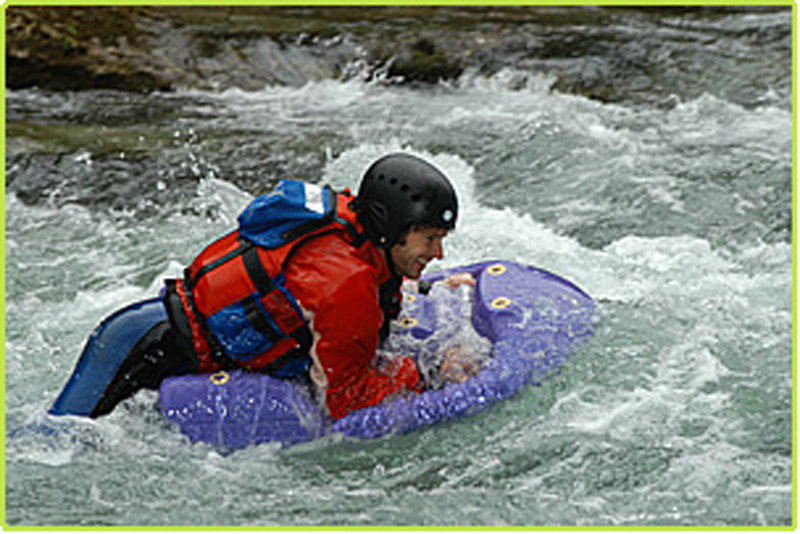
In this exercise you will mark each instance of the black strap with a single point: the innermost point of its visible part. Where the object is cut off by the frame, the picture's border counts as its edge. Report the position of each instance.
(304, 339)
(258, 319)
(264, 284)
(389, 303)
(191, 281)
(256, 271)
(359, 238)
(216, 351)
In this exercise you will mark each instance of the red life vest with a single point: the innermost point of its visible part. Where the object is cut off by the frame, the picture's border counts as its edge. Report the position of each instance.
(233, 304)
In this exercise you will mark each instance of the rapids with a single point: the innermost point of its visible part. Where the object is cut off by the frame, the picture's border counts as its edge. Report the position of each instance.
(677, 219)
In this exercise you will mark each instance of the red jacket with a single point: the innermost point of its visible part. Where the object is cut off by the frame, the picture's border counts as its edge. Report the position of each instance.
(234, 309)
(337, 285)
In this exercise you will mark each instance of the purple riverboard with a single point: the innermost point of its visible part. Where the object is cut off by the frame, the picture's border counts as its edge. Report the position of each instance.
(531, 317)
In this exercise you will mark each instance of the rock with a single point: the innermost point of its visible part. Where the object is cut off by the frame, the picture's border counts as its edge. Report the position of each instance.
(79, 48)
(636, 55)
(146, 49)
(419, 61)
(163, 48)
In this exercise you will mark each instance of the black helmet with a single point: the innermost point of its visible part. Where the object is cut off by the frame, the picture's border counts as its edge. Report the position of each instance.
(400, 190)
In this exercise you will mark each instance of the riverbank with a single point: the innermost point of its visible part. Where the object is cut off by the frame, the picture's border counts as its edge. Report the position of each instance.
(145, 48)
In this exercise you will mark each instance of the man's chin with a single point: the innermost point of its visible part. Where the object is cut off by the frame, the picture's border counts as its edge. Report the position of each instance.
(415, 274)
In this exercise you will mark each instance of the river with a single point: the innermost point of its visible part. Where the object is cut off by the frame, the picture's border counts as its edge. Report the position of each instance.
(676, 217)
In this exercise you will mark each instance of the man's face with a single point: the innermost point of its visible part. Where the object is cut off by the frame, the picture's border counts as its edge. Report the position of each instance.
(420, 246)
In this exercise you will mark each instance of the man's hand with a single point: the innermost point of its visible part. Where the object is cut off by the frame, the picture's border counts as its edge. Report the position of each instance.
(457, 366)
(459, 279)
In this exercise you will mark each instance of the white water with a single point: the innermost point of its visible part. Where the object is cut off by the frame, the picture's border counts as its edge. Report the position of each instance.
(678, 411)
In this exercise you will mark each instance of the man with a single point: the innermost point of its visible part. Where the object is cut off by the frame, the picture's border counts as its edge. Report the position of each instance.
(318, 305)
(406, 207)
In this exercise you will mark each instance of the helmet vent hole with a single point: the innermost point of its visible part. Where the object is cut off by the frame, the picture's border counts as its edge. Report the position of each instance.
(381, 177)
(404, 188)
(416, 197)
(393, 181)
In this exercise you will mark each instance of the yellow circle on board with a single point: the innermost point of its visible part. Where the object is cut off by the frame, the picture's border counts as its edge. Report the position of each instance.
(219, 378)
(496, 269)
(501, 302)
(408, 322)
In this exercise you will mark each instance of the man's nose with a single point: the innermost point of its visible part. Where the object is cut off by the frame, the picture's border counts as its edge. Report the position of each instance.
(438, 249)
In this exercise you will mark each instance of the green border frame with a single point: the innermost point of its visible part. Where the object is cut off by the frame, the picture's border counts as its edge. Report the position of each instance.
(320, 3)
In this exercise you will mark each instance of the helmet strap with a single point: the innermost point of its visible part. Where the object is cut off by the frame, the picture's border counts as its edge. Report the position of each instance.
(387, 253)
